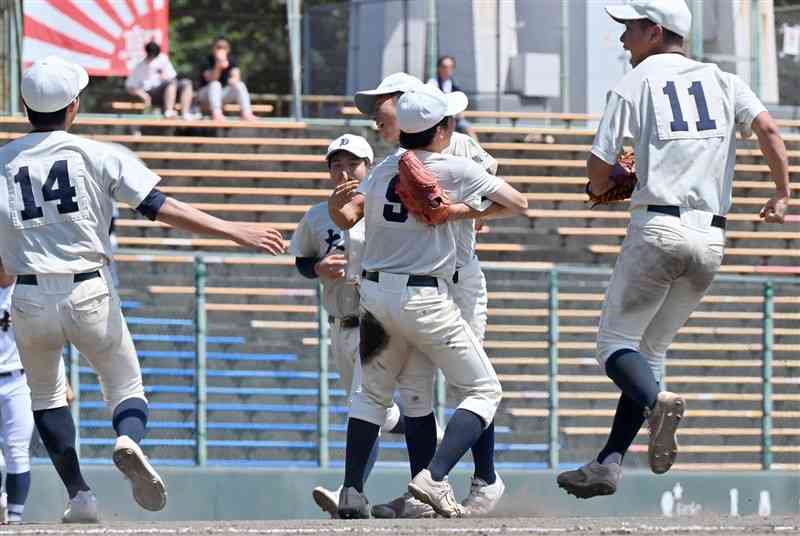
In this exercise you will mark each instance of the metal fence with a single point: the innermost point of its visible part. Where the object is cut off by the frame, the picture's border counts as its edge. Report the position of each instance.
(547, 336)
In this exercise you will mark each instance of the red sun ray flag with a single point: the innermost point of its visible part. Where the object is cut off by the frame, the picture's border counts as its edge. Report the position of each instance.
(106, 37)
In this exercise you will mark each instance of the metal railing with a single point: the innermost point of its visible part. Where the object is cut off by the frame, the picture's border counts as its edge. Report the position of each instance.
(554, 276)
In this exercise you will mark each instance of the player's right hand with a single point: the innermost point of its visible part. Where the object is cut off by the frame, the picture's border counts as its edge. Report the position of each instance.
(343, 193)
(332, 267)
(774, 211)
(259, 236)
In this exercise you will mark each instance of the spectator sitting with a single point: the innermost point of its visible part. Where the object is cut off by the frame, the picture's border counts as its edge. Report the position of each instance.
(221, 83)
(444, 81)
(155, 81)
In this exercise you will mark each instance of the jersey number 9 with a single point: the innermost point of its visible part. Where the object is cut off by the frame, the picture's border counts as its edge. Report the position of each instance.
(390, 211)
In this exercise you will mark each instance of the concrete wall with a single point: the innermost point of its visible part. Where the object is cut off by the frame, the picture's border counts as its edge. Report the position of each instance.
(196, 494)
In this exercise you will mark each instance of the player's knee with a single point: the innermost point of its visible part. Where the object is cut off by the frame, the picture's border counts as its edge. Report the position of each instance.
(215, 84)
(367, 408)
(417, 401)
(392, 418)
(18, 459)
(116, 398)
(240, 87)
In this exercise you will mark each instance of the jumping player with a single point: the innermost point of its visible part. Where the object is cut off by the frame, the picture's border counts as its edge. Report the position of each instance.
(682, 117)
(55, 214)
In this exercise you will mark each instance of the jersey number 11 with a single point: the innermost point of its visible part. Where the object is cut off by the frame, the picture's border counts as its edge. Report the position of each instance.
(679, 124)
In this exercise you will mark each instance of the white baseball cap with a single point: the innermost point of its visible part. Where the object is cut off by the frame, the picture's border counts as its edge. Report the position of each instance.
(52, 83)
(674, 15)
(394, 83)
(425, 106)
(355, 145)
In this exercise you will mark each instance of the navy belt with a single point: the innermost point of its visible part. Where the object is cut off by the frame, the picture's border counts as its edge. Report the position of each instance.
(30, 279)
(347, 322)
(12, 373)
(413, 280)
(670, 210)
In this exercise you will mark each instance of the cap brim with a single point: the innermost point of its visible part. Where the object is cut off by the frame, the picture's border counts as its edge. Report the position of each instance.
(457, 102)
(345, 149)
(623, 12)
(365, 101)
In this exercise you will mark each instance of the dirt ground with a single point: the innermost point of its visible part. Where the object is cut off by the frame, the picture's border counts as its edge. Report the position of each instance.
(695, 526)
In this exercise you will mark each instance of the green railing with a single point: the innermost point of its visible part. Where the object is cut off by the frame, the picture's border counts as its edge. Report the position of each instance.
(554, 276)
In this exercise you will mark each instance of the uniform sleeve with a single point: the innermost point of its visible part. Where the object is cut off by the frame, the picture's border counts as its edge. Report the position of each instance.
(746, 106)
(127, 178)
(618, 123)
(303, 243)
(477, 154)
(476, 182)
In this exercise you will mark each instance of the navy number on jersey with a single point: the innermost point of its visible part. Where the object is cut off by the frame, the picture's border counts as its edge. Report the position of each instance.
(394, 210)
(64, 192)
(678, 124)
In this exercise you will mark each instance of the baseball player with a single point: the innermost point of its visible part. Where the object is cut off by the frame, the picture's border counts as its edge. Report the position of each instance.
(410, 325)
(16, 425)
(55, 210)
(468, 290)
(682, 117)
(324, 251)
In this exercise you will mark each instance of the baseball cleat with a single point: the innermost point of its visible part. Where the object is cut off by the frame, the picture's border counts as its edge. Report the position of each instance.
(483, 497)
(353, 504)
(327, 500)
(591, 480)
(405, 507)
(82, 508)
(148, 488)
(663, 421)
(437, 494)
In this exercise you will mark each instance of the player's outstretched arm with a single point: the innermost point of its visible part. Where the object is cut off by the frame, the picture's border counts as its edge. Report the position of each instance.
(507, 202)
(774, 150)
(345, 205)
(252, 235)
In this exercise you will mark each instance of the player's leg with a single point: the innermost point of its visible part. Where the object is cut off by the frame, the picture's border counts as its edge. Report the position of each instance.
(40, 341)
(93, 322)
(684, 296)
(486, 487)
(210, 97)
(17, 430)
(446, 339)
(382, 357)
(643, 275)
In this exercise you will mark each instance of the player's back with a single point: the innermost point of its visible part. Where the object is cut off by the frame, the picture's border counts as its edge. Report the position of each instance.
(683, 125)
(57, 203)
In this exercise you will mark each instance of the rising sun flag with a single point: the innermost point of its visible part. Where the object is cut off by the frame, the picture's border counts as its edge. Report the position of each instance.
(106, 37)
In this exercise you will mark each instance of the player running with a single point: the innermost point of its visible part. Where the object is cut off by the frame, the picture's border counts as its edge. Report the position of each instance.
(682, 117)
(55, 213)
(410, 325)
(324, 251)
(16, 425)
(467, 289)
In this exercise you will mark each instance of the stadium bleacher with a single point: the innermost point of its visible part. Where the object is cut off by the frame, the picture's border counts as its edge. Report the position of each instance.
(263, 340)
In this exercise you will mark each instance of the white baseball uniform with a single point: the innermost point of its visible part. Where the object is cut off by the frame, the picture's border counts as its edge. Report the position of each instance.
(412, 263)
(317, 236)
(681, 116)
(55, 210)
(468, 288)
(16, 417)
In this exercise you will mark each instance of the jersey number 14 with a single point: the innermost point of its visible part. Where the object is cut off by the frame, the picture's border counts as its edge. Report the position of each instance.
(64, 192)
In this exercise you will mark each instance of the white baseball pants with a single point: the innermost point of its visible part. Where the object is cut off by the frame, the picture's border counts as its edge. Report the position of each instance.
(471, 296)
(57, 311)
(344, 347)
(662, 273)
(425, 332)
(16, 422)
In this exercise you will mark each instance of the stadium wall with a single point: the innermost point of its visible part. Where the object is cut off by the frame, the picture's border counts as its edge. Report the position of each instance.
(227, 494)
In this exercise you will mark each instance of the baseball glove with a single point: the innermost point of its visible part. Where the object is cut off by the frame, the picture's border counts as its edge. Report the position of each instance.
(420, 192)
(623, 180)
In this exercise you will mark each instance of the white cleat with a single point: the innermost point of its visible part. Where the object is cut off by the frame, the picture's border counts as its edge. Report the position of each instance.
(403, 507)
(82, 508)
(663, 421)
(483, 497)
(327, 500)
(148, 488)
(437, 494)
